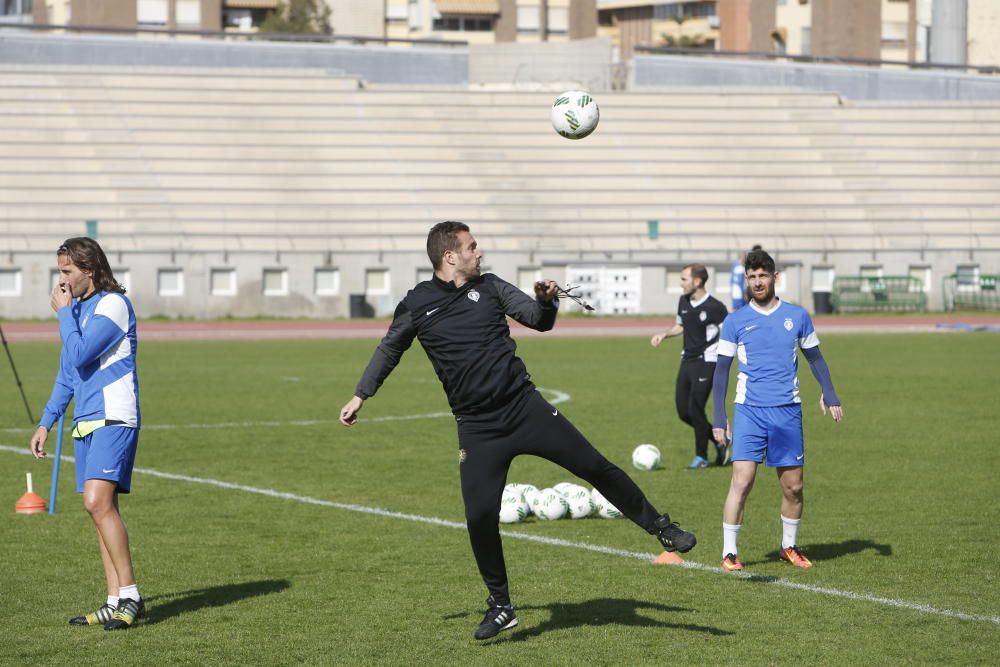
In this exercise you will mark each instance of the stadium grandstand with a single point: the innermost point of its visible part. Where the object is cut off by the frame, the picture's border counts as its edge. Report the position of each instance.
(306, 190)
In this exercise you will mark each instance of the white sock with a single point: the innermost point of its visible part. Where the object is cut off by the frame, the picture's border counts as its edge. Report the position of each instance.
(730, 531)
(789, 531)
(113, 601)
(130, 592)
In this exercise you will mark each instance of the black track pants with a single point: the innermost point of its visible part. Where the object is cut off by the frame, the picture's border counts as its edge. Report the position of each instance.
(529, 425)
(694, 384)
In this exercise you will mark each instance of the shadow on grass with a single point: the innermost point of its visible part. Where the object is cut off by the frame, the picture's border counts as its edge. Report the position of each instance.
(595, 613)
(820, 552)
(162, 607)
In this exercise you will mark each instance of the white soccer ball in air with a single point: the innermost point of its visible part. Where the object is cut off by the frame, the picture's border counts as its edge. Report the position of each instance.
(575, 114)
(513, 509)
(580, 505)
(602, 507)
(646, 457)
(549, 505)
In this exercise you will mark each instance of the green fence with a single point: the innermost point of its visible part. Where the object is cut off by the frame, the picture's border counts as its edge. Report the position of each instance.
(971, 292)
(855, 294)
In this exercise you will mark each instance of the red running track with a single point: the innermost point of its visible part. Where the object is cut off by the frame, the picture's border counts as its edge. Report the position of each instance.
(375, 329)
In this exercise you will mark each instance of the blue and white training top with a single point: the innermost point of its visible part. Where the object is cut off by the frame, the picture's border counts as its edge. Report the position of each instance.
(767, 344)
(97, 363)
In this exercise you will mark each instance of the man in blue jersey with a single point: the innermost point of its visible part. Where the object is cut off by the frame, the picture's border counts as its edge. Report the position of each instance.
(765, 335)
(97, 369)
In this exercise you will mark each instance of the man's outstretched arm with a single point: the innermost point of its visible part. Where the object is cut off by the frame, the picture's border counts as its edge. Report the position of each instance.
(397, 340)
(720, 387)
(820, 371)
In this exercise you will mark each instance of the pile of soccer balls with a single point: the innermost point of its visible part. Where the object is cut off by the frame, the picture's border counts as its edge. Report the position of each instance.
(519, 501)
(563, 500)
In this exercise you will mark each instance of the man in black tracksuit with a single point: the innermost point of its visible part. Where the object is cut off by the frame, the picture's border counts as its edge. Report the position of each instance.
(460, 317)
(699, 318)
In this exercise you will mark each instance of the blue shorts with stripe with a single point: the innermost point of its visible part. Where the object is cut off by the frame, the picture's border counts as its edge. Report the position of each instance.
(771, 433)
(107, 453)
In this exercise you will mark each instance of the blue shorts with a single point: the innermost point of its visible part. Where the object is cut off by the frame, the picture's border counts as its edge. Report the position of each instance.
(771, 433)
(107, 453)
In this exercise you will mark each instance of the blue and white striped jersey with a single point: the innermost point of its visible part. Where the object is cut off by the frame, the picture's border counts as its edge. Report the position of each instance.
(97, 363)
(767, 344)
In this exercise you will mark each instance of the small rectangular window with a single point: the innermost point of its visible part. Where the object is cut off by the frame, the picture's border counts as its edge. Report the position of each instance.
(327, 282)
(377, 281)
(822, 278)
(923, 274)
(526, 278)
(10, 282)
(222, 282)
(674, 281)
(528, 19)
(275, 282)
(170, 282)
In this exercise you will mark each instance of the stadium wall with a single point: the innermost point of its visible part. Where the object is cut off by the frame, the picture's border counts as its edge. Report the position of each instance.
(433, 66)
(854, 83)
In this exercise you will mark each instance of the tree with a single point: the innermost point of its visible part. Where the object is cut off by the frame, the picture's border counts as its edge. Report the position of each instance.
(299, 16)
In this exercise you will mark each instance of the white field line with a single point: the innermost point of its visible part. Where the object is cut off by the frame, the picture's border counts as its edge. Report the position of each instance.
(557, 398)
(552, 541)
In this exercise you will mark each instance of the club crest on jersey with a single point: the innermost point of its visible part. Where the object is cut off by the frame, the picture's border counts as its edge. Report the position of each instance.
(474, 295)
(703, 316)
(788, 324)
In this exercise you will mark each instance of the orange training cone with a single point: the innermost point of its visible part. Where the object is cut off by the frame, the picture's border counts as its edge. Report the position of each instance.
(668, 558)
(30, 502)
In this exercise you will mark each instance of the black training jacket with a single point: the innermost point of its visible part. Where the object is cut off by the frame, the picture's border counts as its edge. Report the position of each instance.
(466, 336)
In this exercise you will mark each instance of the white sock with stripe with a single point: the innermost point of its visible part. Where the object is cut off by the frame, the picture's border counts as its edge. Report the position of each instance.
(130, 592)
(789, 531)
(730, 531)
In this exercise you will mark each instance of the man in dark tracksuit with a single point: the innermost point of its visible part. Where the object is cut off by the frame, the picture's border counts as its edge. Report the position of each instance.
(460, 318)
(699, 319)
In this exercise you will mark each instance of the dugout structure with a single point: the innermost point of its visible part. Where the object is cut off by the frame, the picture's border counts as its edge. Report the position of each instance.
(857, 294)
(977, 293)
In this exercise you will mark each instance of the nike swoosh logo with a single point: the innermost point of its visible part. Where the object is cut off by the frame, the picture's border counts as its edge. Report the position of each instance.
(752, 326)
(106, 471)
(555, 412)
(431, 312)
(702, 379)
(799, 458)
(684, 312)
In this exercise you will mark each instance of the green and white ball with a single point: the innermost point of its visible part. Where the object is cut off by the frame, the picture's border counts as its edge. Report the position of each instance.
(549, 505)
(646, 457)
(567, 488)
(575, 114)
(602, 507)
(513, 509)
(580, 505)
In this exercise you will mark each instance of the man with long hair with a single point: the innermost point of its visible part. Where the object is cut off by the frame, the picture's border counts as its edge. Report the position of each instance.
(460, 318)
(97, 368)
(766, 336)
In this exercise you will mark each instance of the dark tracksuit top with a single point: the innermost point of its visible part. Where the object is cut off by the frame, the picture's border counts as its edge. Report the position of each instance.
(466, 336)
(500, 415)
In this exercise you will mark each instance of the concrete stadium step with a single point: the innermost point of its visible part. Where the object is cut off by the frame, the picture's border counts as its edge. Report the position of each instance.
(562, 151)
(442, 196)
(624, 184)
(475, 140)
(537, 124)
(673, 217)
(545, 168)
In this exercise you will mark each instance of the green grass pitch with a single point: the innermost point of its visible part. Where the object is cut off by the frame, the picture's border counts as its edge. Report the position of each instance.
(901, 506)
